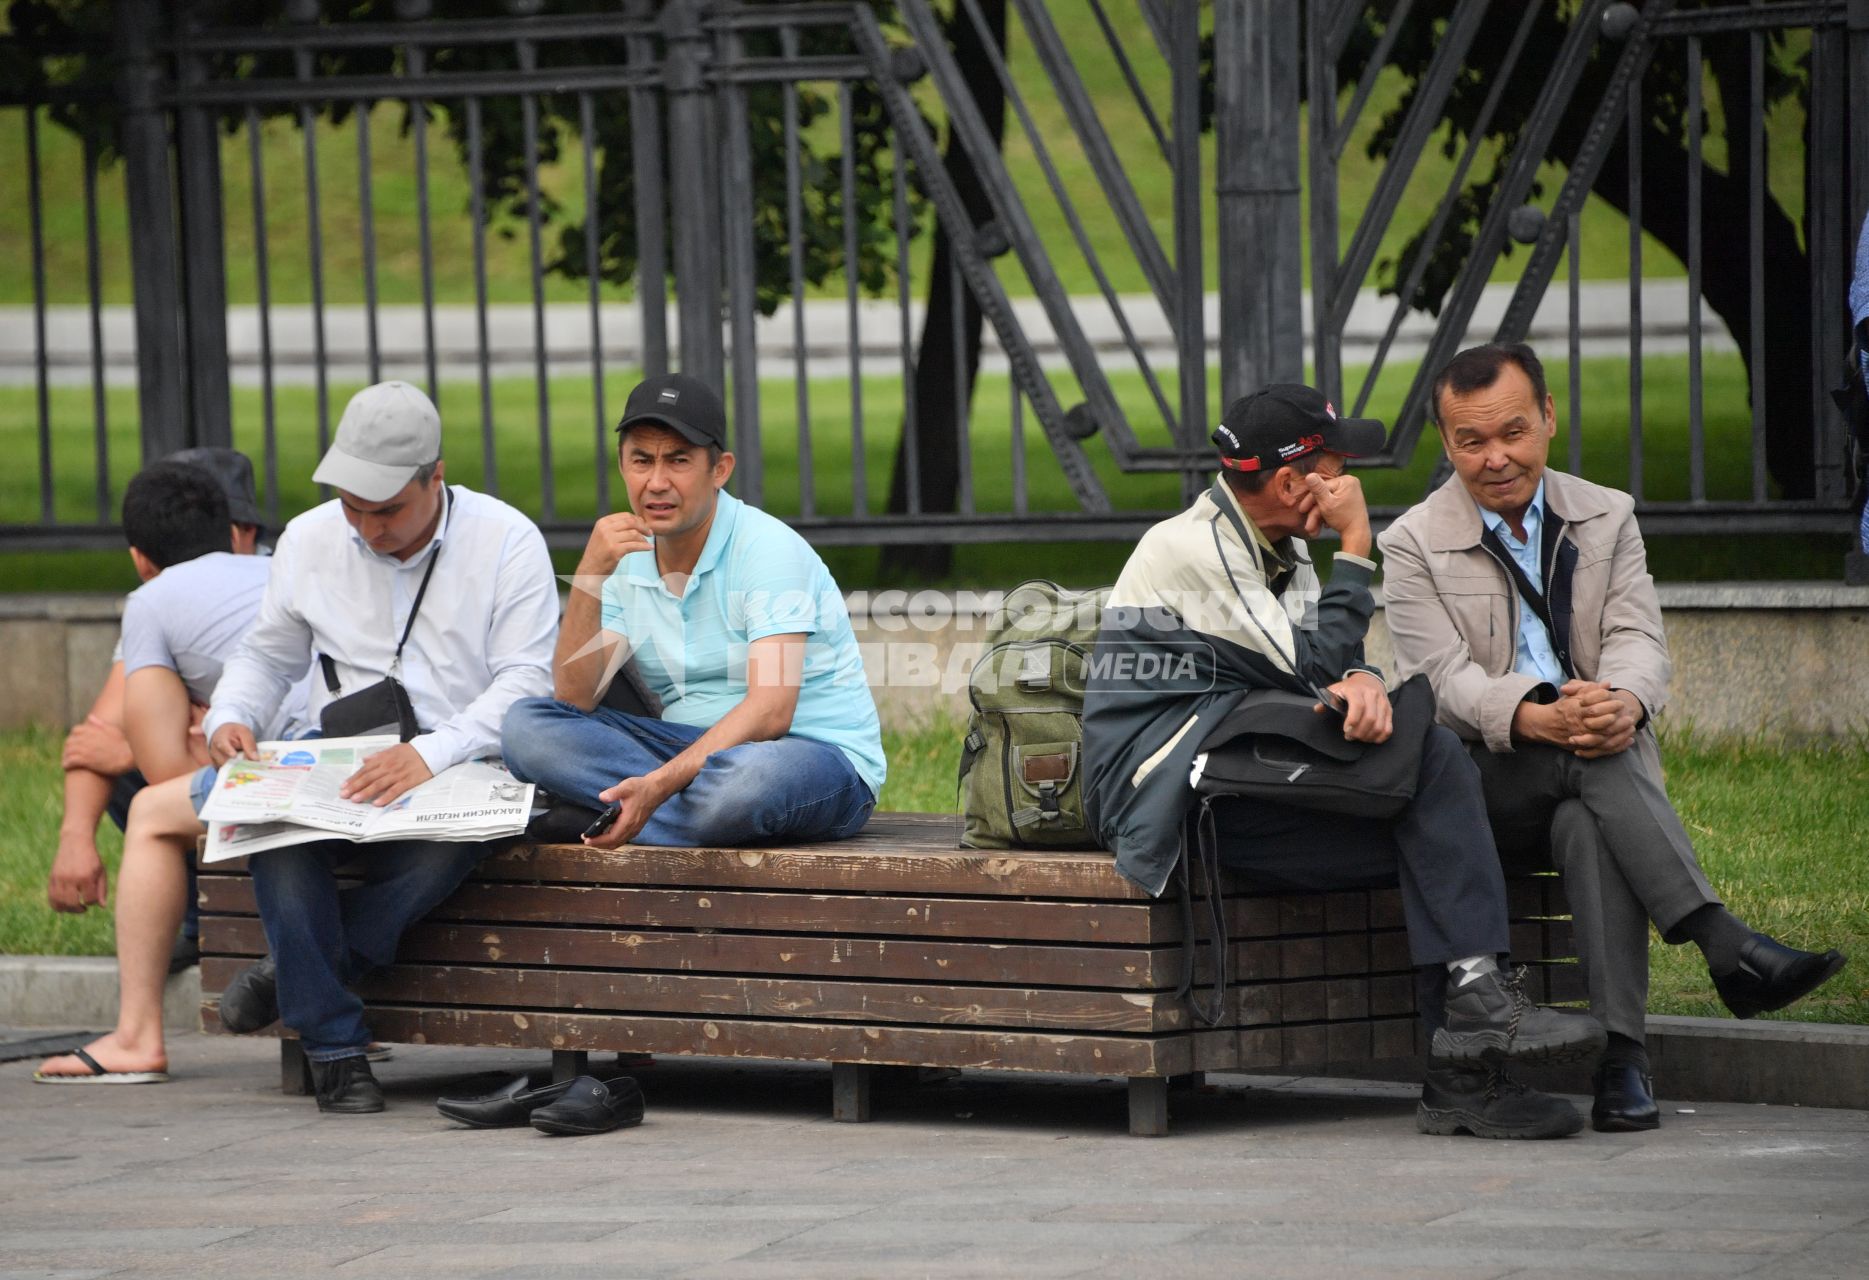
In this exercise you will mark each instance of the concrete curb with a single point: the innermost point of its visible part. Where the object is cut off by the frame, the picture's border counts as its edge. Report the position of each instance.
(1811, 1064)
(1794, 1064)
(81, 992)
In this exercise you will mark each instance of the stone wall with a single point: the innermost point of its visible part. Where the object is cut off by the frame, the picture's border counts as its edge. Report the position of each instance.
(1750, 658)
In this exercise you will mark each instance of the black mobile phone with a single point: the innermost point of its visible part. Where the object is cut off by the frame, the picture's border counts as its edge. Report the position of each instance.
(605, 821)
(1330, 700)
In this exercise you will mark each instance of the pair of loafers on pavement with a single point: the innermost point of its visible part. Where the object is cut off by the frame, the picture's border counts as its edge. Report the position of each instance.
(577, 1107)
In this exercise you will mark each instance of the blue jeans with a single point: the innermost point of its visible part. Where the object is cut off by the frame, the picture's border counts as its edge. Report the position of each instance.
(788, 790)
(324, 939)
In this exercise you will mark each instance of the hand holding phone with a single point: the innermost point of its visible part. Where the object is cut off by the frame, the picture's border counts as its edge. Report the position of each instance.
(605, 821)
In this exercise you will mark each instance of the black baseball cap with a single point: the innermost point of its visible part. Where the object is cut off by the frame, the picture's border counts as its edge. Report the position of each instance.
(687, 406)
(234, 471)
(1282, 422)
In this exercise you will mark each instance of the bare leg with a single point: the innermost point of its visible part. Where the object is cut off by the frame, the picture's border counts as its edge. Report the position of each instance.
(152, 896)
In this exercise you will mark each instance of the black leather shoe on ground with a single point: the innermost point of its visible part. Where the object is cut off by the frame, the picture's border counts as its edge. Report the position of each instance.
(346, 1086)
(1491, 1017)
(590, 1105)
(1772, 975)
(1625, 1099)
(509, 1106)
(251, 1001)
(1488, 1103)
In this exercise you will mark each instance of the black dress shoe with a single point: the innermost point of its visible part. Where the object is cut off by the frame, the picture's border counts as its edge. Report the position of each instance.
(590, 1105)
(251, 1001)
(346, 1086)
(1771, 975)
(1625, 1099)
(510, 1105)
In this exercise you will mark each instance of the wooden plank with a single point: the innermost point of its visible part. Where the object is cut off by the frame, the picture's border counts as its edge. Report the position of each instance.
(721, 995)
(1037, 964)
(796, 1041)
(876, 860)
(1133, 923)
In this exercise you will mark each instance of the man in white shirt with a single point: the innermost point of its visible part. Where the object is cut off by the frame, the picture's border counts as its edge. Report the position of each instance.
(346, 580)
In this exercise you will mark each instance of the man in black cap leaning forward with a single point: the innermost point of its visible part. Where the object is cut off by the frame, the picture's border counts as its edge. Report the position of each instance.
(759, 726)
(1229, 585)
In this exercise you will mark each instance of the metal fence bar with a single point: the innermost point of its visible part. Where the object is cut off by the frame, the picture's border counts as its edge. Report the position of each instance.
(1418, 126)
(963, 398)
(604, 457)
(366, 231)
(529, 129)
(1109, 416)
(1112, 175)
(314, 247)
(1430, 236)
(197, 149)
(1696, 397)
(1185, 119)
(1830, 247)
(645, 119)
(1128, 70)
(143, 134)
(795, 258)
(859, 468)
(1575, 407)
(418, 123)
(1755, 212)
(94, 289)
(477, 211)
(910, 451)
(1634, 125)
(1342, 126)
(41, 352)
(736, 194)
(1019, 496)
(262, 274)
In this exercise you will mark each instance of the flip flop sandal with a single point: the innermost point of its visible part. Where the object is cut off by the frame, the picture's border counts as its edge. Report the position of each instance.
(100, 1076)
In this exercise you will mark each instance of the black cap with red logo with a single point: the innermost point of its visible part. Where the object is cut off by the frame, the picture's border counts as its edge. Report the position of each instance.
(1282, 422)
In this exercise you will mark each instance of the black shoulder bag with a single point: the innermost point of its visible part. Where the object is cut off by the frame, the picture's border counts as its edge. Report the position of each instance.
(383, 707)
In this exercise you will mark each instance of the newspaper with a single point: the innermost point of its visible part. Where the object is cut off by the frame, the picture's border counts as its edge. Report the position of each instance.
(289, 795)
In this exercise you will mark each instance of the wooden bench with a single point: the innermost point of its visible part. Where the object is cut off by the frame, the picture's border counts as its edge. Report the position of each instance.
(891, 949)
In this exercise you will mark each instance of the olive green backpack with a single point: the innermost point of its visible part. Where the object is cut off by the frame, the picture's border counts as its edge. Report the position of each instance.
(1021, 767)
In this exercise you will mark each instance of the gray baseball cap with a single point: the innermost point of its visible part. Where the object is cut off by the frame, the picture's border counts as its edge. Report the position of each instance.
(387, 433)
(234, 470)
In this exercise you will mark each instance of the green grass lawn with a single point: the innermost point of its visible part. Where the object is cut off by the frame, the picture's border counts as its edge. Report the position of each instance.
(576, 436)
(1778, 829)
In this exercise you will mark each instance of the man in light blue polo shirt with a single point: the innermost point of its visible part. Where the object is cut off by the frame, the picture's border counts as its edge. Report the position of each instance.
(768, 732)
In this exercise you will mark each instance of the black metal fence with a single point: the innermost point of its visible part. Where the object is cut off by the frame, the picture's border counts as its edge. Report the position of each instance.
(837, 211)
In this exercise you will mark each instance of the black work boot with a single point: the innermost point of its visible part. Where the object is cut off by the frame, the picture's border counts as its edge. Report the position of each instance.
(251, 1001)
(346, 1086)
(1487, 1103)
(1490, 1017)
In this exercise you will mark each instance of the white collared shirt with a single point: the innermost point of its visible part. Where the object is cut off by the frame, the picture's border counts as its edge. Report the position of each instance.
(482, 639)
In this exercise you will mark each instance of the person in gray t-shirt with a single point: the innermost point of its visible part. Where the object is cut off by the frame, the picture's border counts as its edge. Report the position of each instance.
(100, 768)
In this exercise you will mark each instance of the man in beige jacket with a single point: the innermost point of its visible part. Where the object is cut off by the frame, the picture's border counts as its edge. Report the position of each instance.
(1524, 594)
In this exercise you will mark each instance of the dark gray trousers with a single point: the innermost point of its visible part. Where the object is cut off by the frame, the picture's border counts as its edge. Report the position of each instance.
(1438, 849)
(1624, 855)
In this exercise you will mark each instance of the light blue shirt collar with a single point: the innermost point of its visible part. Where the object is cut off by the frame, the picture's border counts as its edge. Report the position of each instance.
(1534, 522)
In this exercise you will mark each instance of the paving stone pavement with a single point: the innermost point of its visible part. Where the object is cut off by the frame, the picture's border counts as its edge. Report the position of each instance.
(739, 1172)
